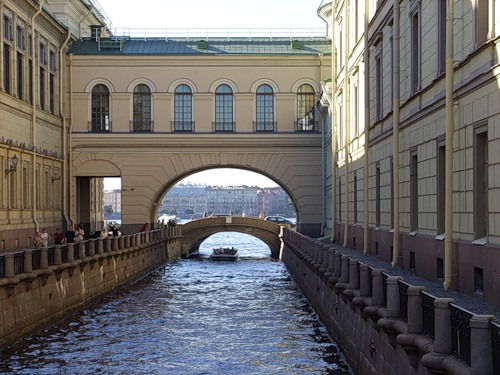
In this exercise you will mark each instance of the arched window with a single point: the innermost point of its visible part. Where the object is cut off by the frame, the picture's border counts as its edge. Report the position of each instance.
(224, 109)
(305, 109)
(183, 109)
(100, 109)
(265, 109)
(142, 109)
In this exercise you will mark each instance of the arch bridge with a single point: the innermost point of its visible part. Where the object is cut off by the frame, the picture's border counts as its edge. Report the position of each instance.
(196, 231)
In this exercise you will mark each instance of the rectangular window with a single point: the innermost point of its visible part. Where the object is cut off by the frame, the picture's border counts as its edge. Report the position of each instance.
(391, 43)
(439, 268)
(379, 90)
(482, 21)
(355, 198)
(481, 182)
(20, 38)
(413, 191)
(30, 81)
(478, 280)
(415, 51)
(339, 200)
(52, 61)
(20, 74)
(441, 188)
(42, 88)
(52, 88)
(26, 188)
(392, 192)
(377, 195)
(355, 111)
(6, 67)
(12, 190)
(441, 36)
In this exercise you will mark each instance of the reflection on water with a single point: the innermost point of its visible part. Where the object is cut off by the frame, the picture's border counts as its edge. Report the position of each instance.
(190, 317)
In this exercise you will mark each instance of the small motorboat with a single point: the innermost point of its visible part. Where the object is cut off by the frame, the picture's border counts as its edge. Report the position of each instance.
(227, 254)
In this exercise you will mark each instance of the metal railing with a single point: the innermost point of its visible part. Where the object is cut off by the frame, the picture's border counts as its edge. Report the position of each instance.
(218, 33)
(18, 263)
(137, 126)
(182, 126)
(460, 328)
(2, 266)
(264, 126)
(403, 300)
(309, 126)
(99, 127)
(428, 314)
(51, 255)
(495, 346)
(35, 259)
(223, 126)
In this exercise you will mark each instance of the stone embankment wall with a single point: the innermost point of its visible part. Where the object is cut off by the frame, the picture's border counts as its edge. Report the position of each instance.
(39, 287)
(385, 325)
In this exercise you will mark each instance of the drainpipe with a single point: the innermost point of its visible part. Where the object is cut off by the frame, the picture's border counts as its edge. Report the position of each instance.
(450, 129)
(346, 121)
(33, 113)
(83, 19)
(366, 57)
(64, 135)
(334, 131)
(395, 135)
(323, 174)
(70, 147)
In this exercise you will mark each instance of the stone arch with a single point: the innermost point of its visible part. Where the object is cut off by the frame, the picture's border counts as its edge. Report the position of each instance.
(97, 168)
(222, 81)
(155, 201)
(144, 81)
(180, 81)
(266, 81)
(100, 81)
(302, 81)
(196, 231)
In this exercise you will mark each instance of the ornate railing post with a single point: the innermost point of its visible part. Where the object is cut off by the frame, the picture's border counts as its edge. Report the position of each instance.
(9, 265)
(415, 322)
(28, 261)
(481, 348)
(100, 246)
(364, 278)
(71, 252)
(442, 336)
(377, 287)
(392, 308)
(353, 274)
(44, 258)
(330, 269)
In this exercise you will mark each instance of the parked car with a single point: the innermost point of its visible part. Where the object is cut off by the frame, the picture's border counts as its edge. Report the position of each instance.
(280, 220)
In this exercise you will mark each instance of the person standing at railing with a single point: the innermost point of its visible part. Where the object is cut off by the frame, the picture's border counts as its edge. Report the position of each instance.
(58, 237)
(79, 233)
(45, 237)
(70, 234)
(37, 241)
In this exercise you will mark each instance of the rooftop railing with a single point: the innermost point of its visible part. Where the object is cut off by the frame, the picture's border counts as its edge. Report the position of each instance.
(218, 33)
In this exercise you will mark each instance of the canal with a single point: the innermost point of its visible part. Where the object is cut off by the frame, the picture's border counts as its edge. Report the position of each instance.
(193, 316)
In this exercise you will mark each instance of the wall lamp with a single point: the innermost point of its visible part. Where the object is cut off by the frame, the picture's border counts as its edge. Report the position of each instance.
(13, 165)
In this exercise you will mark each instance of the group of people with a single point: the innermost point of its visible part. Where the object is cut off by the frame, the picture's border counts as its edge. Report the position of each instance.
(72, 236)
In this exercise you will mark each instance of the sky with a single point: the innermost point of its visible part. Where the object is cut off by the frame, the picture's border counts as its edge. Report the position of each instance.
(213, 13)
(214, 177)
(290, 14)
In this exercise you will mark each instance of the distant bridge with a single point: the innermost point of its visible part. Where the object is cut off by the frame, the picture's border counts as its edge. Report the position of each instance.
(196, 231)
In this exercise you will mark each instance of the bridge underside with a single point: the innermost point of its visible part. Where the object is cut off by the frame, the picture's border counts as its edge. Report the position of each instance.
(196, 231)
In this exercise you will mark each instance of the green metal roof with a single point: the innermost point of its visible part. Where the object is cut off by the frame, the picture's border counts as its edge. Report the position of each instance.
(182, 46)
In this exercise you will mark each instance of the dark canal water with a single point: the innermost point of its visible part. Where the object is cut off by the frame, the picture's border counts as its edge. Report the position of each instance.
(190, 317)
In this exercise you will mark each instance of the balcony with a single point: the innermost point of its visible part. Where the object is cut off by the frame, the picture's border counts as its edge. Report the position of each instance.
(142, 125)
(182, 126)
(306, 125)
(99, 127)
(223, 126)
(264, 126)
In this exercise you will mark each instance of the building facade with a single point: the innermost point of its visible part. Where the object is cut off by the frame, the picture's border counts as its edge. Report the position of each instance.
(412, 91)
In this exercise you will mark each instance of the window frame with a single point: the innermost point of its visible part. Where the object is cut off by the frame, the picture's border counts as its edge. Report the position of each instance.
(183, 108)
(100, 121)
(224, 109)
(264, 109)
(142, 109)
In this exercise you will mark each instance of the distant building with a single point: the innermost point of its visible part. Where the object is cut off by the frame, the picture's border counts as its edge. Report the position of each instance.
(113, 199)
(185, 200)
(232, 199)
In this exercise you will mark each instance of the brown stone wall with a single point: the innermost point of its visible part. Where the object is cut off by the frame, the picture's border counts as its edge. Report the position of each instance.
(33, 300)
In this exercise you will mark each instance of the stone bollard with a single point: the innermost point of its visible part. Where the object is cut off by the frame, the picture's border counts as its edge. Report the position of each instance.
(58, 255)
(115, 243)
(28, 261)
(353, 274)
(415, 322)
(364, 279)
(9, 265)
(121, 243)
(100, 246)
(92, 246)
(393, 308)
(325, 251)
(481, 348)
(44, 258)
(133, 242)
(442, 325)
(344, 276)
(337, 264)
(127, 242)
(71, 252)
(330, 270)
(81, 249)
(108, 245)
(378, 287)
